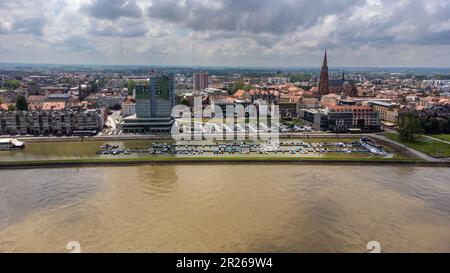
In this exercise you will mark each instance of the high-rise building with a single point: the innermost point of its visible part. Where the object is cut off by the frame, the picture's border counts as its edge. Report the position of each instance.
(200, 81)
(143, 100)
(155, 99)
(324, 80)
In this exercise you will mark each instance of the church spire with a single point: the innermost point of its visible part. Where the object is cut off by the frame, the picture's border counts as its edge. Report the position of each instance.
(323, 80)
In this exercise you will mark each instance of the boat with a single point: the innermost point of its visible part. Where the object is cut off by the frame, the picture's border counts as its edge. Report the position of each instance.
(7, 144)
(371, 146)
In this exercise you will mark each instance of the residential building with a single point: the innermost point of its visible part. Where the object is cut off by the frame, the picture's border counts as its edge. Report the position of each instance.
(58, 98)
(387, 111)
(35, 102)
(109, 101)
(54, 105)
(200, 81)
(278, 80)
(308, 103)
(128, 108)
(348, 118)
(287, 107)
(316, 118)
(57, 123)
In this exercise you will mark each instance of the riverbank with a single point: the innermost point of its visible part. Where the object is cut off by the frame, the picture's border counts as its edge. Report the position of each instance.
(213, 161)
(68, 152)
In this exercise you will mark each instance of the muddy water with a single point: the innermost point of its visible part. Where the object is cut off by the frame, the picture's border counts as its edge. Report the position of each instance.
(226, 208)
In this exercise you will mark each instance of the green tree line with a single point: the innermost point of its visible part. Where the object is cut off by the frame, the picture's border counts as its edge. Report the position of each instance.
(411, 125)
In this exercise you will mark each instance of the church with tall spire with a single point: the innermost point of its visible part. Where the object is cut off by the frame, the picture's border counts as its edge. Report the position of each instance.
(334, 86)
(324, 80)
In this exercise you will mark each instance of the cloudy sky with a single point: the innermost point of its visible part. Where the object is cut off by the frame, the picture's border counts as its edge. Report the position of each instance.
(226, 32)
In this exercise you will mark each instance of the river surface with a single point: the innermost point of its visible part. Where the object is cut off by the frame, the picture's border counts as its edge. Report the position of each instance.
(226, 208)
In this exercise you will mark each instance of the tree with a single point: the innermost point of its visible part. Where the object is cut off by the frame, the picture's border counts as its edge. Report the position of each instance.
(185, 101)
(131, 86)
(446, 126)
(21, 103)
(12, 84)
(431, 126)
(237, 86)
(305, 87)
(409, 126)
(1, 100)
(300, 77)
(11, 107)
(116, 107)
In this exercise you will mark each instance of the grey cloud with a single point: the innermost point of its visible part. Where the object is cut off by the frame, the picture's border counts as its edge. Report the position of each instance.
(252, 16)
(129, 29)
(113, 9)
(402, 24)
(76, 43)
(266, 20)
(3, 29)
(33, 26)
(407, 24)
(264, 39)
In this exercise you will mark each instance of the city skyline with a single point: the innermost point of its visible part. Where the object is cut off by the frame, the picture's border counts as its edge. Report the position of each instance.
(226, 33)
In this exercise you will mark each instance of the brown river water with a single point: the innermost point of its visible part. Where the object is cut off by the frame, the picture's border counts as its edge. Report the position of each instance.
(226, 208)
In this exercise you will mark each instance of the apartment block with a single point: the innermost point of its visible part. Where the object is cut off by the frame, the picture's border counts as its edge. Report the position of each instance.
(56, 123)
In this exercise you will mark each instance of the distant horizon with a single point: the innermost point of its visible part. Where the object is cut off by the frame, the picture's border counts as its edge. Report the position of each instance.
(218, 66)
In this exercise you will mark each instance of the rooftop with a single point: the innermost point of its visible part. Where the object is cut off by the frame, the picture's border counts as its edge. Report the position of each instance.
(341, 107)
(383, 103)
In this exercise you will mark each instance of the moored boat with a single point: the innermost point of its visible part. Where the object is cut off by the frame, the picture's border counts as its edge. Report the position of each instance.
(7, 144)
(371, 146)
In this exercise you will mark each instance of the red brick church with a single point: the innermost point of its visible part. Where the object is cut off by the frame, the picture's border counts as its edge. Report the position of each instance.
(334, 86)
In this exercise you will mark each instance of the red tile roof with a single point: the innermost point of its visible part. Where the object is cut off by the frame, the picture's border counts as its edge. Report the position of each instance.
(239, 93)
(5, 106)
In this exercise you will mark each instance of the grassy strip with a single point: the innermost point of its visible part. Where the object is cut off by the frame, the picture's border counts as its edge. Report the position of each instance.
(424, 145)
(444, 137)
